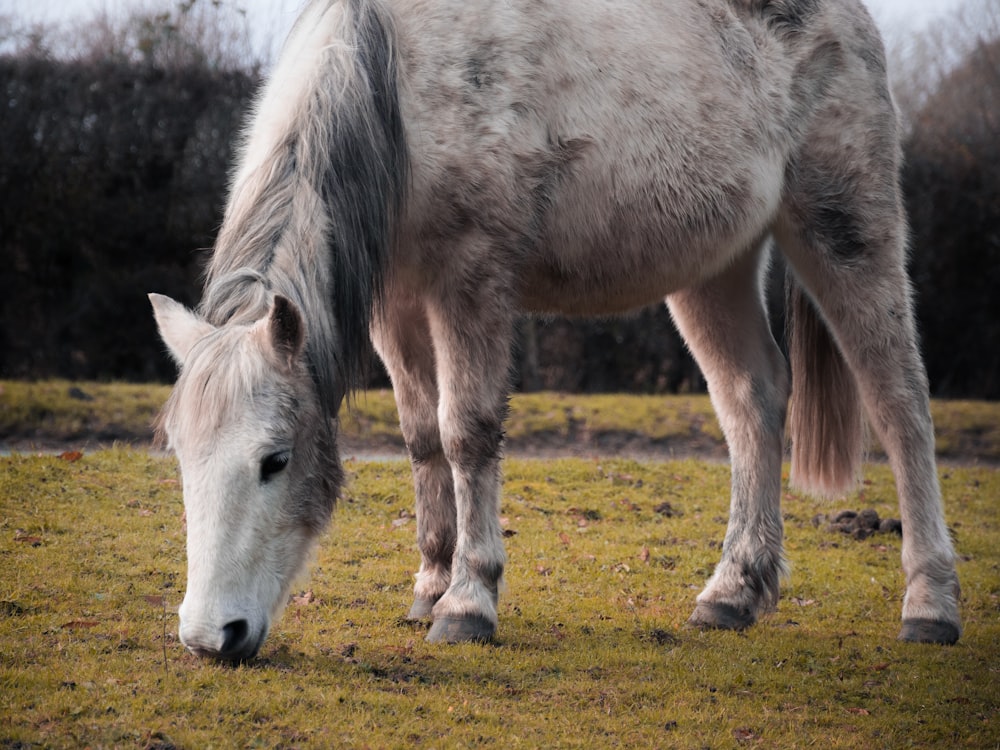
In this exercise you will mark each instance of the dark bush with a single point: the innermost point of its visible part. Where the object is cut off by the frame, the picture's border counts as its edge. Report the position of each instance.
(952, 184)
(112, 178)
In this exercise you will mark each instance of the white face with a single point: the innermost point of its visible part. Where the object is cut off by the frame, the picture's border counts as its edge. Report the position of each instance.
(244, 546)
(243, 423)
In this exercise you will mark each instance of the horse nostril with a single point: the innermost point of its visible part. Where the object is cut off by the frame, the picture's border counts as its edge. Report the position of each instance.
(233, 637)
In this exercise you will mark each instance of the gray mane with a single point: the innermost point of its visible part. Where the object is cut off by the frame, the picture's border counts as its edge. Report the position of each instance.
(313, 220)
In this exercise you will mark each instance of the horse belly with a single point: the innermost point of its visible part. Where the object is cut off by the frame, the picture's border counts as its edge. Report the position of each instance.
(600, 254)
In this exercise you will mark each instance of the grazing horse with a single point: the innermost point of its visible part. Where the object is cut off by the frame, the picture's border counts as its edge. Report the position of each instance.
(418, 173)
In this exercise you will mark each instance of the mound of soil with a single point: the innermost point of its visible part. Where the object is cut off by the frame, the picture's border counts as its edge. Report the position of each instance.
(859, 524)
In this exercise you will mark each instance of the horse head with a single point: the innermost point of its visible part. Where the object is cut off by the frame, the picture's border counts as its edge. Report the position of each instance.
(259, 466)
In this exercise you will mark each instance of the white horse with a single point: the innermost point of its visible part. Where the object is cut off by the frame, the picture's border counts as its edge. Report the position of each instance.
(419, 173)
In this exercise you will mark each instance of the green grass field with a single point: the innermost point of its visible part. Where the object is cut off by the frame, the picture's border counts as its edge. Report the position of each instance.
(592, 651)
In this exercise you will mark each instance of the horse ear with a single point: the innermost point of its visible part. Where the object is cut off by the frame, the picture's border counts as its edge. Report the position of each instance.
(179, 327)
(285, 330)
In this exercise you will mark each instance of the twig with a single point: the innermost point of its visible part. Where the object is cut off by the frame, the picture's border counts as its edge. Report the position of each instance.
(163, 639)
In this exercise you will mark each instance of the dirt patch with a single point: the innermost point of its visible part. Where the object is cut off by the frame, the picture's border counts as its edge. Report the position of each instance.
(541, 445)
(859, 524)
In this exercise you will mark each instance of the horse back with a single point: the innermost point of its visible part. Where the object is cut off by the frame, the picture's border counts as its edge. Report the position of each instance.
(611, 154)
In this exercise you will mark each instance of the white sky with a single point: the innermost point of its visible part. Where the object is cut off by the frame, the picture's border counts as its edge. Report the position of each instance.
(272, 18)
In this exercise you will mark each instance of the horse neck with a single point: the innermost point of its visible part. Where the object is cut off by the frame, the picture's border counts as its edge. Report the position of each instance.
(320, 181)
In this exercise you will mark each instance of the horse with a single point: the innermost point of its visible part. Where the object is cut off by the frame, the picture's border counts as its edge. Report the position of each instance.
(415, 175)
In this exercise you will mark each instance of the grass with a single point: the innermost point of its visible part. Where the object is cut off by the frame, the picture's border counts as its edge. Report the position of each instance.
(592, 650)
(58, 411)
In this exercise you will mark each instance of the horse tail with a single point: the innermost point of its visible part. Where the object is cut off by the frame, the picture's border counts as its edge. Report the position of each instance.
(825, 418)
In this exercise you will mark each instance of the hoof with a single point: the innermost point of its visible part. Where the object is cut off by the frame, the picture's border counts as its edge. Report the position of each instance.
(421, 610)
(476, 629)
(922, 630)
(719, 616)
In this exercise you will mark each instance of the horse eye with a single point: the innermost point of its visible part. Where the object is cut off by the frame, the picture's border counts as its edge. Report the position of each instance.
(273, 464)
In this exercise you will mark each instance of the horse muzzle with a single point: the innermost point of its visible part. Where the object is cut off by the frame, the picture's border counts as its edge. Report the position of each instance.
(235, 641)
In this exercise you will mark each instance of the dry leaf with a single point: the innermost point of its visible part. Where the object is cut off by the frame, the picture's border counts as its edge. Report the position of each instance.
(859, 711)
(78, 624)
(71, 455)
(744, 734)
(644, 554)
(404, 650)
(20, 535)
(306, 597)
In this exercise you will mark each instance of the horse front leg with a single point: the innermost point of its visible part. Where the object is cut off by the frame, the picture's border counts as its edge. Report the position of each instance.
(725, 325)
(472, 345)
(402, 337)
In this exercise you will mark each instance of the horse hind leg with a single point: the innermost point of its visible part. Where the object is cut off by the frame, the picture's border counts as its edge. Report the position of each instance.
(402, 338)
(724, 323)
(844, 234)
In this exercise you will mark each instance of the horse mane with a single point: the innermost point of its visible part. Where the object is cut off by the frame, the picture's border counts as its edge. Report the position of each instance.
(317, 191)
